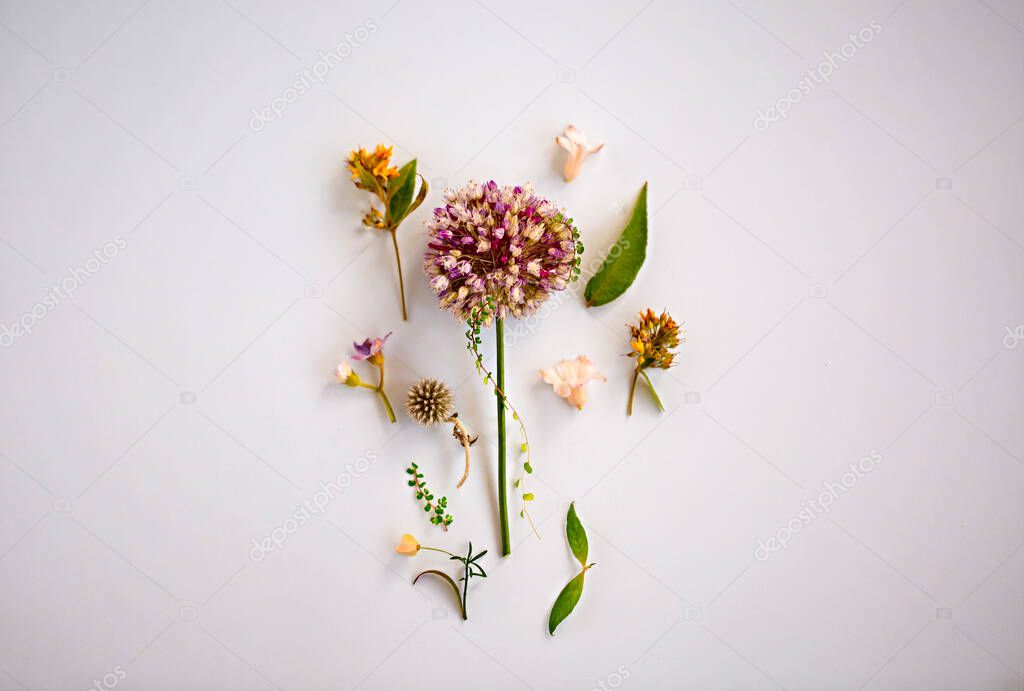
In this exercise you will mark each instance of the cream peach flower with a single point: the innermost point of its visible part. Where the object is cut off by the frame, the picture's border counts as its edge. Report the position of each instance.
(346, 375)
(575, 143)
(409, 546)
(569, 378)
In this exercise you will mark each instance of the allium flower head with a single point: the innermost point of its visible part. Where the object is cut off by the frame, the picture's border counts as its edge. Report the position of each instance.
(502, 243)
(652, 338)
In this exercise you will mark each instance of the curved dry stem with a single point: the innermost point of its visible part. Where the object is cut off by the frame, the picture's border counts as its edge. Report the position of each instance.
(462, 434)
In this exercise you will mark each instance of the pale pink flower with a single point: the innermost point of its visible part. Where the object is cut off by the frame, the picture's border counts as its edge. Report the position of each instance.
(575, 143)
(569, 378)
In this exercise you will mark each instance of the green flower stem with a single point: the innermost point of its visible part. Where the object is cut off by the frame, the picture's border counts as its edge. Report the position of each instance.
(499, 334)
(632, 391)
(437, 549)
(401, 281)
(380, 392)
(653, 392)
(387, 405)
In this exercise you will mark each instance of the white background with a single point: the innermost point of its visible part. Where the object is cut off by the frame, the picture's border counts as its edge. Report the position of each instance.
(839, 296)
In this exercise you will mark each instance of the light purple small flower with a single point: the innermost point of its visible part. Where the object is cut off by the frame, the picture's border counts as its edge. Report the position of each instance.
(369, 347)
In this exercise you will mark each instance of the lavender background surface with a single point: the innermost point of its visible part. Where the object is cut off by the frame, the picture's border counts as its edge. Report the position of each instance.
(851, 276)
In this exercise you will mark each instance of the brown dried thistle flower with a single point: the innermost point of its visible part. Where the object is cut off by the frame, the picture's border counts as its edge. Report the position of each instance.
(652, 339)
(430, 402)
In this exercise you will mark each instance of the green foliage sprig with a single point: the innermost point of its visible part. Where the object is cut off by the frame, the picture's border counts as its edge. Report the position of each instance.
(438, 509)
(471, 568)
(566, 601)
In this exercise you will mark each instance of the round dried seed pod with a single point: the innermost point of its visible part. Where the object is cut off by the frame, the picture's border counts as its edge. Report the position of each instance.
(429, 402)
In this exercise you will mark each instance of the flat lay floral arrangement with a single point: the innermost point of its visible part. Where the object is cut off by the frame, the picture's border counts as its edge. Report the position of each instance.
(495, 253)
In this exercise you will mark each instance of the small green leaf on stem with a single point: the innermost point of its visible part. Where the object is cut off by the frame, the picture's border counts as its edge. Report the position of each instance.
(566, 601)
(576, 536)
(400, 192)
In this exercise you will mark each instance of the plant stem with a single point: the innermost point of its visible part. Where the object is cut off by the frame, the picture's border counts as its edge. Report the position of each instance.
(387, 405)
(632, 391)
(383, 396)
(401, 281)
(653, 392)
(499, 334)
(435, 549)
(465, 582)
(463, 436)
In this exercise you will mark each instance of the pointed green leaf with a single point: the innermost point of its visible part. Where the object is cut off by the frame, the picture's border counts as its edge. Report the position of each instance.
(576, 535)
(624, 259)
(420, 196)
(566, 602)
(400, 191)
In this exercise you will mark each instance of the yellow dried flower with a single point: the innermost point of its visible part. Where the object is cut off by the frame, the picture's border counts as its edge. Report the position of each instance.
(376, 164)
(652, 339)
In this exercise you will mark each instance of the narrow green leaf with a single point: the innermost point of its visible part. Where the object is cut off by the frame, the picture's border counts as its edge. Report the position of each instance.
(566, 602)
(576, 536)
(624, 259)
(453, 584)
(400, 191)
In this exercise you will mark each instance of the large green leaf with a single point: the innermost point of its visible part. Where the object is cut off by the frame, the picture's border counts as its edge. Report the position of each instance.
(400, 191)
(566, 601)
(576, 535)
(624, 259)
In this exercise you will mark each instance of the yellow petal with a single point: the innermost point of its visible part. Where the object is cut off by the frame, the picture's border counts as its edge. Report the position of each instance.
(408, 546)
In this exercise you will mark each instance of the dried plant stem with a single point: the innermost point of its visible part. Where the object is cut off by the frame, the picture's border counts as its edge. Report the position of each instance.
(398, 261)
(632, 391)
(462, 434)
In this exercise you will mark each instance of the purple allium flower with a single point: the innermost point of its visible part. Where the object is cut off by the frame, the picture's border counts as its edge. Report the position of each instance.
(503, 242)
